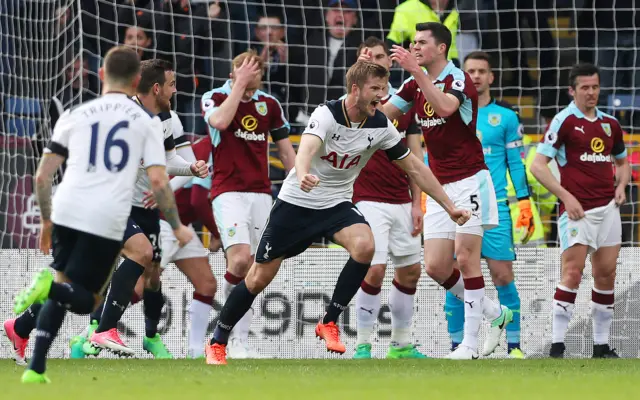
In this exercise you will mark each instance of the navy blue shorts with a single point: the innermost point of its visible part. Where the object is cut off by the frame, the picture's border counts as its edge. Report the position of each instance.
(147, 222)
(86, 259)
(292, 229)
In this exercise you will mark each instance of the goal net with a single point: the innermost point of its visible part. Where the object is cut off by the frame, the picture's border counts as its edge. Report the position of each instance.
(50, 52)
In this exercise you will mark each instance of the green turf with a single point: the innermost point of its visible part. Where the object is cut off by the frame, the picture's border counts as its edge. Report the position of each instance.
(329, 380)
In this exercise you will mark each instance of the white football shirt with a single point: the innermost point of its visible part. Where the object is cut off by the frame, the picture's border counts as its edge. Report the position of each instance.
(172, 129)
(346, 149)
(104, 141)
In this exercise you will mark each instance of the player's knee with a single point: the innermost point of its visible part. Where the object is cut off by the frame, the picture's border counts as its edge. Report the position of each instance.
(239, 262)
(501, 276)
(408, 276)
(257, 279)
(363, 249)
(603, 277)
(207, 285)
(463, 258)
(436, 271)
(375, 275)
(571, 276)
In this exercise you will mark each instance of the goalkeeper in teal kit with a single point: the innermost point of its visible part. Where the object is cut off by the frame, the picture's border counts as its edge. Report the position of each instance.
(499, 130)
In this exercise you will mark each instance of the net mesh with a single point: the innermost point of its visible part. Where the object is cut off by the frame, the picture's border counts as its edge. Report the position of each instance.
(50, 52)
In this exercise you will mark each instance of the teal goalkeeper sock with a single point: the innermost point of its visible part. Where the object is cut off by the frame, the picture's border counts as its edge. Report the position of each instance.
(508, 296)
(454, 311)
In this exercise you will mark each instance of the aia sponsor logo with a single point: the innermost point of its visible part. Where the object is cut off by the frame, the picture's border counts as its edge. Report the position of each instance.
(341, 161)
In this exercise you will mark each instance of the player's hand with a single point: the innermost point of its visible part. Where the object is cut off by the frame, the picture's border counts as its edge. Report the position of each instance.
(573, 208)
(525, 220)
(215, 244)
(183, 234)
(46, 227)
(200, 169)
(149, 201)
(417, 217)
(281, 48)
(460, 216)
(245, 73)
(366, 55)
(309, 182)
(621, 196)
(405, 58)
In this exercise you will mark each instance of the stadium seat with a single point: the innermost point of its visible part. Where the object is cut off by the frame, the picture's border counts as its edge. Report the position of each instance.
(22, 114)
(625, 102)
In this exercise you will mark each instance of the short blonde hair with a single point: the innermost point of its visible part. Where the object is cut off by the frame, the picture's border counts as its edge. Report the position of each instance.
(361, 71)
(251, 54)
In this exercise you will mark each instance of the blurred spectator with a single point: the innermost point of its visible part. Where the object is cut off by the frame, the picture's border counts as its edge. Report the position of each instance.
(328, 55)
(279, 81)
(617, 54)
(138, 39)
(77, 86)
(411, 12)
(472, 18)
(195, 37)
(515, 19)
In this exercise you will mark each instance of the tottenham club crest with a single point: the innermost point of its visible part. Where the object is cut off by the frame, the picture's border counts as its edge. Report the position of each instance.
(261, 108)
(495, 119)
(606, 128)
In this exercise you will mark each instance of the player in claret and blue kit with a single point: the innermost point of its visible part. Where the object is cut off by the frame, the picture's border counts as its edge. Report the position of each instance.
(446, 104)
(499, 129)
(585, 142)
(241, 118)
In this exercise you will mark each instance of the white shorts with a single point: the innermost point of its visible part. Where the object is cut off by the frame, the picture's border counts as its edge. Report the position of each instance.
(600, 227)
(172, 252)
(241, 217)
(476, 194)
(392, 225)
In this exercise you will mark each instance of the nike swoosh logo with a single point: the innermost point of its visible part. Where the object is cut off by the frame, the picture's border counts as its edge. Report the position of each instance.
(474, 357)
(501, 326)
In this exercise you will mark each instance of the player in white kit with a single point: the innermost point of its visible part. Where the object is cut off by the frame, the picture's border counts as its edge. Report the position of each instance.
(391, 205)
(315, 201)
(102, 142)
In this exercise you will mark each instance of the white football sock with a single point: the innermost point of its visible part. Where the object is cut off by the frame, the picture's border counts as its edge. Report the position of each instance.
(458, 289)
(562, 312)
(227, 287)
(491, 309)
(601, 316)
(199, 321)
(473, 308)
(401, 305)
(241, 329)
(367, 310)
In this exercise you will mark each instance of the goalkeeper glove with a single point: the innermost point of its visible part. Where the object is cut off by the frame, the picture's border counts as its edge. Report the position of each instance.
(525, 220)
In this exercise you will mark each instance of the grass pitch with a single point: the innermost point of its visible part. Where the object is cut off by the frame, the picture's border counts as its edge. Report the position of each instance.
(328, 379)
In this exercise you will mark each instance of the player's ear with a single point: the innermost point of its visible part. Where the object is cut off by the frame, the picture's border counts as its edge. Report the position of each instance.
(136, 81)
(491, 77)
(101, 74)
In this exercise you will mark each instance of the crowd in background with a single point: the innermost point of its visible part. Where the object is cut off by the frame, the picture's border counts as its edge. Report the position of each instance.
(308, 45)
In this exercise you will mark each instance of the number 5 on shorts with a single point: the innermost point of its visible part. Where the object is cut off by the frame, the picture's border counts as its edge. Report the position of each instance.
(474, 200)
